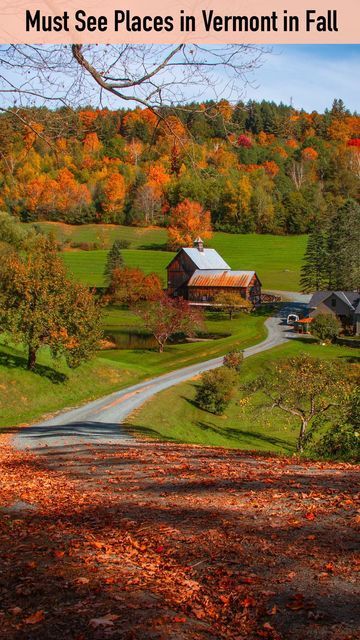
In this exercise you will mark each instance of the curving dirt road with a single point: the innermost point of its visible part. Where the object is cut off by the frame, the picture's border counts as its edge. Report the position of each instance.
(98, 422)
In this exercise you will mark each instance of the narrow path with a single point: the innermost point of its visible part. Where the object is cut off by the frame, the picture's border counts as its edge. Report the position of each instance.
(98, 422)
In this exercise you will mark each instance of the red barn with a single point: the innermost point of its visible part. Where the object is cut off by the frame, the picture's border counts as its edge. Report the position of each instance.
(198, 274)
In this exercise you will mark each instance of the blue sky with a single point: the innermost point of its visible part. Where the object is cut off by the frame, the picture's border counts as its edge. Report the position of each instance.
(308, 76)
(311, 75)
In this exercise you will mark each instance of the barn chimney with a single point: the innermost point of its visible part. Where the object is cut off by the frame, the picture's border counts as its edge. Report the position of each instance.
(198, 243)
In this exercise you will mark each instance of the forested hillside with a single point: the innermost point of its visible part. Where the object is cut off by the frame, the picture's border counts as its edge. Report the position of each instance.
(257, 167)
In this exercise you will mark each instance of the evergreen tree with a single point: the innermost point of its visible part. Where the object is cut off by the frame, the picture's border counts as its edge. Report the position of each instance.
(344, 248)
(114, 260)
(314, 272)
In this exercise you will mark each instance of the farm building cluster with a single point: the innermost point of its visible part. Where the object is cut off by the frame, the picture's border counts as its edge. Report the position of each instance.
(345, 305)
(198, 275)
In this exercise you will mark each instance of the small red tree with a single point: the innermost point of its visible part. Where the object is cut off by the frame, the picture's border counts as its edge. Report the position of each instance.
(244, 141)
(165, 316)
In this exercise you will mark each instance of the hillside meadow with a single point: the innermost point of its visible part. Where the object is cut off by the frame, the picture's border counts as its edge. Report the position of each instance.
(248, 422)
(277, 259)
(25, 396)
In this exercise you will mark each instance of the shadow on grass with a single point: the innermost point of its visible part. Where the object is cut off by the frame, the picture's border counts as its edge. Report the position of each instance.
(303, 338)
(240, 437)
(13, 361)
(350, 359)
(246, 437)
(140, 430)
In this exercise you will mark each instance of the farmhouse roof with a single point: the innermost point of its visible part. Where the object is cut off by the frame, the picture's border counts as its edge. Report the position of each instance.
(206, 259)
(220, 278)
(350, 298)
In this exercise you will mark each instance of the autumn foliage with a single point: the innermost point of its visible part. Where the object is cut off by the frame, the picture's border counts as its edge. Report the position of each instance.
(187, 221)
(244, 141)
(131, 285)
(40, 306)
(176, 541)
(165, 316)
(129, 167)
(113, 197)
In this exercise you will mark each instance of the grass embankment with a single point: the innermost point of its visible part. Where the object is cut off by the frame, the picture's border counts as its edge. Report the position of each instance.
(25, 396)
(247, 423)
(277, 259)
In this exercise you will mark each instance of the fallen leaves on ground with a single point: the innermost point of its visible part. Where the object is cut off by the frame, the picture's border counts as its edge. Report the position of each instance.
(162, 541)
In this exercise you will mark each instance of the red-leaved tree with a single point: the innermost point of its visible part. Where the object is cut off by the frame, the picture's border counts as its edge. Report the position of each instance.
(166, 316)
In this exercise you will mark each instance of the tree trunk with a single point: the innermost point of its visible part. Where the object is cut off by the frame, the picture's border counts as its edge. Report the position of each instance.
(300, 443)
(31, 359)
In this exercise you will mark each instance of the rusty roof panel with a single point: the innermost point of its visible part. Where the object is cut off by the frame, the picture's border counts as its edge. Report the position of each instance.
(217, 278)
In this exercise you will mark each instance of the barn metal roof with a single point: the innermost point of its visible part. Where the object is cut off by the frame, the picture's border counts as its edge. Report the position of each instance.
(220, 278)
(206, 259)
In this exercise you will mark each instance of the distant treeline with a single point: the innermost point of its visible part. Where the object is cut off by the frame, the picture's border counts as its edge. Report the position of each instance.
(257, 167)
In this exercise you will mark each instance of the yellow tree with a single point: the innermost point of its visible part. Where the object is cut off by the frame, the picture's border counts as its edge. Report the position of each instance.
(231, 301)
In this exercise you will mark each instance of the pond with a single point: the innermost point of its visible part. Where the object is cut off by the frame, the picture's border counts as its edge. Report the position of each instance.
(140, 340)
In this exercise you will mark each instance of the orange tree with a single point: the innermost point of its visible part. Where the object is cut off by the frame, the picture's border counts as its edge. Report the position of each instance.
(166, 316)
(187, 221)
(40, 306)
(130, 285)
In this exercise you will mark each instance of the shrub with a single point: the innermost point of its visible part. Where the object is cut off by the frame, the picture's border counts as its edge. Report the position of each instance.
(122, 243)
(234, 359)
(216, 389)
(85, 246)
(342, 440)
(325, 327)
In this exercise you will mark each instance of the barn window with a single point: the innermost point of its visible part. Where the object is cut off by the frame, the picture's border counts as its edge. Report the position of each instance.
(333, 302)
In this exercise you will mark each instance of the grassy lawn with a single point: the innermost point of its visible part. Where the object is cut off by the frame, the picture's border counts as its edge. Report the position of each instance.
(277, 259)
(242, 331)
(88, 266)
(25, 396)
(247, 423)
(138, 237)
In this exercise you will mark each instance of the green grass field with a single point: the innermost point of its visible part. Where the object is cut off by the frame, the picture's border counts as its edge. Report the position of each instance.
(277, 259)
(138, 237)
(241, 332)
(247, 423)
(88, 266)
(25, 396)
